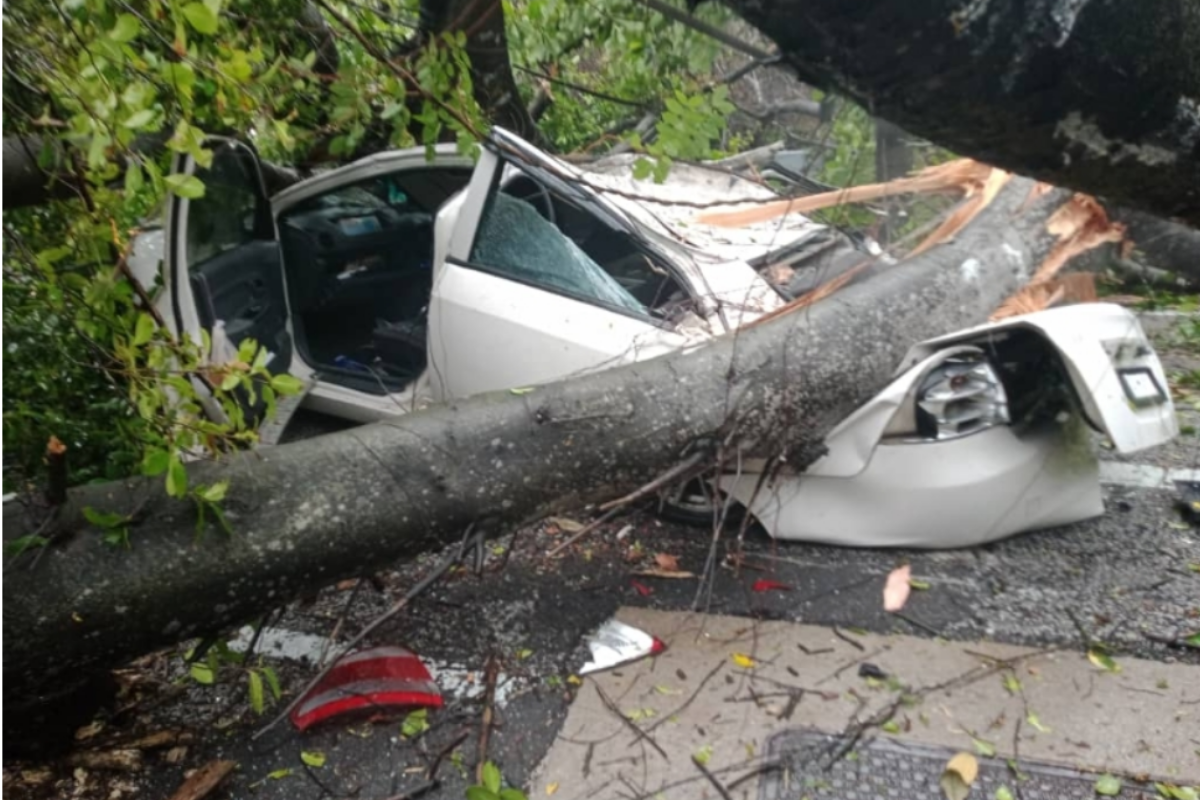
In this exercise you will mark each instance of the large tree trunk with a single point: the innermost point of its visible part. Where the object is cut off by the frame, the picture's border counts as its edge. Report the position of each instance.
(312, 512)
(495, 88)
(1103, 97)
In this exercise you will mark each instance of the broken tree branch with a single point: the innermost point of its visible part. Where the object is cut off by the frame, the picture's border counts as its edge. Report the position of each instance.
(310, 513)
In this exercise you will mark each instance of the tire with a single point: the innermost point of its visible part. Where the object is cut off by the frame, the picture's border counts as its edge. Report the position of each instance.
(691, 504)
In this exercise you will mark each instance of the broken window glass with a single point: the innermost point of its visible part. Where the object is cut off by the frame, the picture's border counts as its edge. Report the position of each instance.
(515, 240)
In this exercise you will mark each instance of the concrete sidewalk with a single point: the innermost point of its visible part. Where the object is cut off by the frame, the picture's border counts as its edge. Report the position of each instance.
(1037, 705)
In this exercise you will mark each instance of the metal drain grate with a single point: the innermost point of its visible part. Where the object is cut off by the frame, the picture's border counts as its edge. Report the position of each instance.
(888, 769)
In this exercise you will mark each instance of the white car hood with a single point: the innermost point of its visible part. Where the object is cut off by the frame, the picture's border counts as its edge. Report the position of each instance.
(691, 184)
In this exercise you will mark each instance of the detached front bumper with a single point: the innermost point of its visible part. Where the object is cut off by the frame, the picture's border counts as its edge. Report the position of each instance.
(942, 494)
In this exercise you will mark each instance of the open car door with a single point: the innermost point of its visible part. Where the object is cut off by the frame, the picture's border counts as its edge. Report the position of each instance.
(223, 265)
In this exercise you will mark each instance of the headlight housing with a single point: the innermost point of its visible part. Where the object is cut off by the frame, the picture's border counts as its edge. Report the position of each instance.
(960, 396)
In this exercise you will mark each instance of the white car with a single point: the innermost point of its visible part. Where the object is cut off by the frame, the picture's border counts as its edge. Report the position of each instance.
(399, 281)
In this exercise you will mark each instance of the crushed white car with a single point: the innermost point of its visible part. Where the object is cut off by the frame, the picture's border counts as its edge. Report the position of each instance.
(399, 281)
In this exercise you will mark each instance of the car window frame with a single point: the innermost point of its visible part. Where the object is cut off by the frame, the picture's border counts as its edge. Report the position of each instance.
(559, 187)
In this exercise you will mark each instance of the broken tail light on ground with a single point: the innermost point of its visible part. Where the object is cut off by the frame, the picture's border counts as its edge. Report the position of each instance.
(379, 679)
(616, 643)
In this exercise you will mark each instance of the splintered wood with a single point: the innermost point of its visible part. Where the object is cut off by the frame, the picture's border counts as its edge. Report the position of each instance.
(962, 176)
(1079, 225)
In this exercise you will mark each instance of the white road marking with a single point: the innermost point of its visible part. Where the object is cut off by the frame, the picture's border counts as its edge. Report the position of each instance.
(1144, 476)
(455, 681)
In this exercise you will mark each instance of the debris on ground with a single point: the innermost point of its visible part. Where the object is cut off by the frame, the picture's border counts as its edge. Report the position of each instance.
(616, 643)
(379, 678)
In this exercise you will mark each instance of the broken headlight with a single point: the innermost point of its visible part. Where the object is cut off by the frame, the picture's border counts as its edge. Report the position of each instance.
(960, 396)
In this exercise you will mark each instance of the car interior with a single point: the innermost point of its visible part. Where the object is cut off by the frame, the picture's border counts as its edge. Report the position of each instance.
(600, 262)
(359, 263)
(359, 267)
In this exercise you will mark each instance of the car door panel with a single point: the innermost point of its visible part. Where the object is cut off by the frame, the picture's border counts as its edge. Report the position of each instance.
(243, 288)
(489, 332)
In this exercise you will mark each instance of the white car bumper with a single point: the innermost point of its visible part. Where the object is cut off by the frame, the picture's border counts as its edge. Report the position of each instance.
(947, 494)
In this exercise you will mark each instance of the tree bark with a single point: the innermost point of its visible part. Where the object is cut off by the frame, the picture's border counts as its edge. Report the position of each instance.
(1103, 97)
(495, 88)
(313, 512)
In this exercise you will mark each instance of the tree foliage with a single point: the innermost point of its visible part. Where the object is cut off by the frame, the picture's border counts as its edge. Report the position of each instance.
(106, 92)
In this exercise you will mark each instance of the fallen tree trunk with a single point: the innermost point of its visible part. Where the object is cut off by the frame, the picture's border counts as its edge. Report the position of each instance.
(1103, 97)
(309, 513)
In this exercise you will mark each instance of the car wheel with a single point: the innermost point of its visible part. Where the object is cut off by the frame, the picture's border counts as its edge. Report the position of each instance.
(691, 503)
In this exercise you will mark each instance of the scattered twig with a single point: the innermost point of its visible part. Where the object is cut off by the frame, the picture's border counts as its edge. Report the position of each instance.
(679, 471)
(341, 620)
(204, 780)
(584, 531)
(683, 707)
(769, 766)
(856, 645)
(431, 773)
(399, 606)
(491, 674)
(837, 673)
(916, 623)
(638, 732)
(716, 784)
(817, 652)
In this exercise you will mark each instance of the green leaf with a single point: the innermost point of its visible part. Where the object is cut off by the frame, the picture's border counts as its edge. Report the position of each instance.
(103, 519)
(703, 755)
(1012, 684)
(1099, 656)
(186, 186)
(201, 17)
(1004, 793)
(1033, 720)
(416, 723)
(214, 493)
(272, 681)
(202, 673)
(19, 545)
(1108, 785)
(257, 701)
(314, 758)
(984, 747)
(1193, 640)
(491, 777)
(144, 329)
(512, 794)
(521, 391)
(127, 28)
(918, 585)
(155, 462)
(177, 481)
(891, 726)
(642, 168)
(480, 793)
(286, 384)
(134, 179)
(279, 773)
(139, 119)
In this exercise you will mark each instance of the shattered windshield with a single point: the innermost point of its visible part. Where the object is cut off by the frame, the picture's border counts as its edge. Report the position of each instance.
(516, 240)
